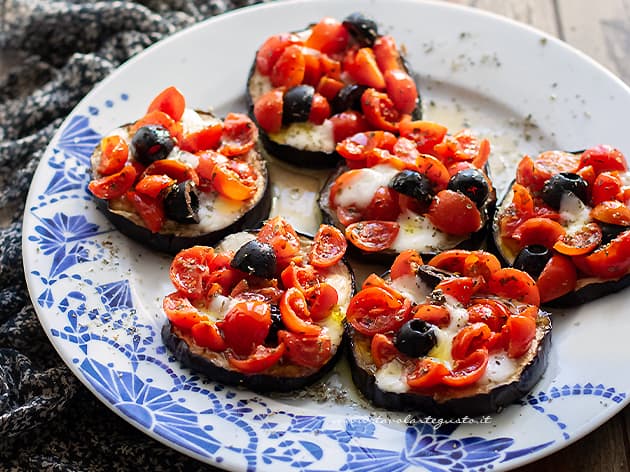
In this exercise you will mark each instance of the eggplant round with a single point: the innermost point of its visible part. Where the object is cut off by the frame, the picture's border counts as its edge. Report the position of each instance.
(305, 144)
(587, 288)
(473, 241)
(482, 398)
(280, 377)
(180, 230)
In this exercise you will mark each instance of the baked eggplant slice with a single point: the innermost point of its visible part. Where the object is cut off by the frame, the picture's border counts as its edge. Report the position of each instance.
(308, 90)
(179, 177)
(468, 346)
(264, 309)
(405, 194)
(566, 221)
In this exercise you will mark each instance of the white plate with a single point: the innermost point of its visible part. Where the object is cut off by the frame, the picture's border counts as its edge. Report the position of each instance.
(98, 295)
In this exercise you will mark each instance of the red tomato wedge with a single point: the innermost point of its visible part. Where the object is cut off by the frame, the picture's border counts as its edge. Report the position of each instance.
(558, 278)
(426, 373)
(114, 185)
(383, 349)
(180, 311)
(514, 284)
(114, 154)
(261, 359)
(170, 101)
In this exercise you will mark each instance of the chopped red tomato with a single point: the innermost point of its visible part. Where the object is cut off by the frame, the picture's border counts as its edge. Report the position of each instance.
(538, 230)
(233, 180)
(406, 263)
(358, 145)
(180, 311)
(295, 313)
(426, 373)
(362, 68)
(329, 87)
(281, 236)
(383, 206)
(613, 212)
(170, 101)
(189, 270)
(320, 109)
(514, 284)
(383, 350)
(454, 213)
(239, 136)
(288, 70)
(557, 278)
(460, 288)
(386, 53)
(467, 371)
(463, 146)
(580, 242)
(245, 326)
(153, 185)
(609, 262)
(372, 235)
(157, 117)
(375, 310)
(114, 185)
(261, 359)
(328, 36)
(206, 334)
(321, 299)
(348, 123)
(437, 315)
(312, 66)
(151, 210)
(379, 110)
(452, 260)
(470, 338)
(401, 88)
(481, 264)
(272, 49)
(525, 174)
(603, 158)
(521, 331)
(606, 187)
(550, 163)
(329, 247)
(302, 278)
(434, 170)
(520, 210)
(426, 134)
(489, 311)
(307, 351)
(205, 138)
(114, 154)
(174, 169)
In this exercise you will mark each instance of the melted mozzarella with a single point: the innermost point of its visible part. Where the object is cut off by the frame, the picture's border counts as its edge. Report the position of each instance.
(573, 213)
(417, 232)
(360, 189)
(459, 317)
(411, 287)
(500, 368)
(307, 136)
(391, 377)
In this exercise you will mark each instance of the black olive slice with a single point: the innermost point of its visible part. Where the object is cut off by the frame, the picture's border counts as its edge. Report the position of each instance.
(296, 105)
(432, 275)
(472, 183)
(610, 231)
(562, 183)
(255, 258)
(276, 325)
(415, 338)
(362, 29)
(413, 184)
(181, 203)
(151, 143)
(532, 259)
(348, 98)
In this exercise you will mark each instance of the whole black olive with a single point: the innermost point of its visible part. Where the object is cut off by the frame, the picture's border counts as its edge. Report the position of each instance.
(472, 183)
(255, 258)
(562, 183)
(610, 231)
(151, 143)
(348, 98)
(415, 338)
(276, 325)
(297, 103)
(532, 259)
(181, 203)
(413, 184)
(362, 29)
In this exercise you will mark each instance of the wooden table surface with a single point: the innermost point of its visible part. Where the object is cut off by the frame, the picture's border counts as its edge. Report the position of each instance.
(600, 29)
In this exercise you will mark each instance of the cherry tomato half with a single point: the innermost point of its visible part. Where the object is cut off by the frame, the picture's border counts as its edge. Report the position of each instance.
(180, 311)
(406, 263)
(245, 326)
(467, 371)
(514, 284)
(383, 349)
(379, 110)
(189, 270)
(329, 247)
(580, 242)
(557, 278)
(426, 373)
(295, 313)
(307, 351)
(114, 185)
(114, 154)
(170, 101)
(375, 310)
(454, 213)
(261, 359)
(372, 235)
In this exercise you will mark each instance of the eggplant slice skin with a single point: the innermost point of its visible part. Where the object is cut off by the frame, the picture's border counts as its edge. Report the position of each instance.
(174, 236)
(473, 241)
(278, 378)
(587, 288)
(301, 156)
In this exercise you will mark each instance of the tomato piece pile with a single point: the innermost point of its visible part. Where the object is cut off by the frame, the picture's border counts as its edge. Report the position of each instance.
(419, 147)
(501, 308)
(590, 249)
(221, 149)
(327, 59)
(231, 311)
